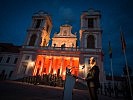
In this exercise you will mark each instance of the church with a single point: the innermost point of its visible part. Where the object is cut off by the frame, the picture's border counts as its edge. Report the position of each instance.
(38, 57)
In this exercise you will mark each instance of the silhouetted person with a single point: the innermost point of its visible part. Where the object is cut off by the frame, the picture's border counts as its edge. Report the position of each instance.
(109, 89)
(101, 89)
(93, 79)
(105, 89)
(116, 90)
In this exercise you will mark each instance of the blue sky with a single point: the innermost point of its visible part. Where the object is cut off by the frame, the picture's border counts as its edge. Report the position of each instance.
(15, 18)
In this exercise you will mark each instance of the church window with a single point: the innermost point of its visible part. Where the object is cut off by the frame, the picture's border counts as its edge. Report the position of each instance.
(44, 42)
(90, 23)
(38, 23)
(32, 40)
(15, 61)
(10, 74)
(47, 28)
(8, 59)
(90, 42)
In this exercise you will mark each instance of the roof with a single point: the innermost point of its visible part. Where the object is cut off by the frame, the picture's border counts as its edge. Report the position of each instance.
(9, 47)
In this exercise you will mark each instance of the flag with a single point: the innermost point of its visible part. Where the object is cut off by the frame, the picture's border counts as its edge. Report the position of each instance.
(123, 43)
(110, 50)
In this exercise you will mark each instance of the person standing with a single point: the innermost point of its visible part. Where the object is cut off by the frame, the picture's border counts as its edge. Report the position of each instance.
(92, 79)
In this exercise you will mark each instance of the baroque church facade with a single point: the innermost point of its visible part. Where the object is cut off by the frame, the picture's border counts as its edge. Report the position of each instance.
(38, 57)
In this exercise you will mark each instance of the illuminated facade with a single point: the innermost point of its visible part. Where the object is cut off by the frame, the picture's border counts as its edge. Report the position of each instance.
(64, 37)
(38, 57)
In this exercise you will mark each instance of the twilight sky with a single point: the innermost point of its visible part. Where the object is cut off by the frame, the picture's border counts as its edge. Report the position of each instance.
(15, 18)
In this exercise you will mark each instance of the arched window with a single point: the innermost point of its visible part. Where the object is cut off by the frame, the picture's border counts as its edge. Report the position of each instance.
(91, 42)
(90, 23)
(44, 42)
(32, 40)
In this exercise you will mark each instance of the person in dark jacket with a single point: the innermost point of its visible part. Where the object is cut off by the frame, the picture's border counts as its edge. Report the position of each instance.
(92, 79)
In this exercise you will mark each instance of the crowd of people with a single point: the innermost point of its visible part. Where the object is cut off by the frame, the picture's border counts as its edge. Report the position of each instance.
(107, 89)
(50, 79)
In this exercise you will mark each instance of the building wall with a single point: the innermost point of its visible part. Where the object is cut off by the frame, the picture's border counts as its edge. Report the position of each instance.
(8, 65)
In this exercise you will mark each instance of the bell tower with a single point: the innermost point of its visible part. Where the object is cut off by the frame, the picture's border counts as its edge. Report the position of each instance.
(91, 39)
(38, 34)
(90, 32)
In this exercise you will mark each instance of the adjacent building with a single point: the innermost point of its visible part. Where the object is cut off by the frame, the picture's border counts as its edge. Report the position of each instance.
(9, 55)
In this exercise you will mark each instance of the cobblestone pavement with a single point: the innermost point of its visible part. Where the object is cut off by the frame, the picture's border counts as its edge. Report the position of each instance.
(12, 90)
